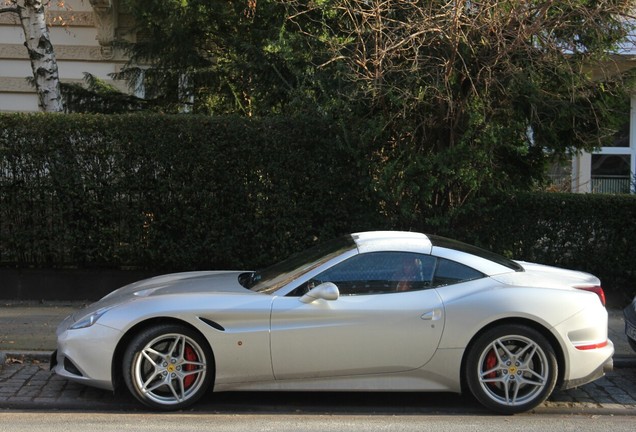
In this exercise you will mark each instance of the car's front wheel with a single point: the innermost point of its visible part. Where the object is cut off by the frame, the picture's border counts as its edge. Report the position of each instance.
(511, 369)
(168, 367)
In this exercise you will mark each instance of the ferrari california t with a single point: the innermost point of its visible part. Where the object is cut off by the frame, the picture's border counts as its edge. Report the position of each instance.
(386, 311)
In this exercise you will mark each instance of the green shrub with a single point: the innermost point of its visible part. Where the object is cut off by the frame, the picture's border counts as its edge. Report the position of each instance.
(168, 193)
(592, 232)
(173, 192)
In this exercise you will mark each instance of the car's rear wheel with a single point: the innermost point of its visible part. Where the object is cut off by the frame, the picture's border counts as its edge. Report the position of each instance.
(511, 369)
(168, 367)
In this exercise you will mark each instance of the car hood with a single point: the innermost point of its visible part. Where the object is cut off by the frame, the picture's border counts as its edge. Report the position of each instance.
(207, 282)
(539, 275)
(183, 283)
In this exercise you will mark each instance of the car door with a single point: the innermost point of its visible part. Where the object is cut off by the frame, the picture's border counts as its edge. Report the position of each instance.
(387, 319)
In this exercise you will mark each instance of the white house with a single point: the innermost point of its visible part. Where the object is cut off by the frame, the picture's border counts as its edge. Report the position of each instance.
(82, 33)
(611, 169)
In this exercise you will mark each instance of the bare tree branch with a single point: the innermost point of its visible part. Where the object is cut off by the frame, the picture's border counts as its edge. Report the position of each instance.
(9, 9)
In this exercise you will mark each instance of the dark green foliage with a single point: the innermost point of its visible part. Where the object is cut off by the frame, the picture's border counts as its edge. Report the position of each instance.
(451, 100)
(469, 97)
(97, 96)
(214, 56)
(591, 232)
(172, 192)
(189, 192)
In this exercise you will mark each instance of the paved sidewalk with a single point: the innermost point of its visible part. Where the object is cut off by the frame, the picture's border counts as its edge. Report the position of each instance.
(30, 386)
(30, 326)
(27, 338)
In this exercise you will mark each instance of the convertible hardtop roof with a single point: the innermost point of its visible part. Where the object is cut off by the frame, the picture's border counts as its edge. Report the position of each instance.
(392, 240)
(405, 241)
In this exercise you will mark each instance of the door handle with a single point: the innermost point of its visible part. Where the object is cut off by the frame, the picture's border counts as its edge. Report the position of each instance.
(433, 315)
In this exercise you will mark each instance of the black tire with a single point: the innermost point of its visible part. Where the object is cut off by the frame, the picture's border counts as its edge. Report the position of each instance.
(511, 369)
(168, 367)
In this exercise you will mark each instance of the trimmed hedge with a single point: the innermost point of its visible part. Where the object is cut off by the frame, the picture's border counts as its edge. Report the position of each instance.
(594, 233)
(170, 193)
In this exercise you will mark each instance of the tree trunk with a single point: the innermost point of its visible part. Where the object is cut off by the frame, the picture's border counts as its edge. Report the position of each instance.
(41, 54)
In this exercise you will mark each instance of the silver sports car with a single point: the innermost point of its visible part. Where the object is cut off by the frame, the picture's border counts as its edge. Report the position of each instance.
(395, 311)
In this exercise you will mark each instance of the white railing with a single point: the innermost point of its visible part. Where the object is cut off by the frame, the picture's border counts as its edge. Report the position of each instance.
(611, 184)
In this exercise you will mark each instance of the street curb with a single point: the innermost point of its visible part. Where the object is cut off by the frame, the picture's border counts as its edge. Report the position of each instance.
(40, 356)
(620, 361)
(79, 405)
(575, 410)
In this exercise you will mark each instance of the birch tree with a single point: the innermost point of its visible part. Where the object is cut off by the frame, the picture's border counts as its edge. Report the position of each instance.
(41, 54)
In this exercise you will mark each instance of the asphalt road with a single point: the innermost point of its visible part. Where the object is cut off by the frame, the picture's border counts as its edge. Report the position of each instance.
(75, 422)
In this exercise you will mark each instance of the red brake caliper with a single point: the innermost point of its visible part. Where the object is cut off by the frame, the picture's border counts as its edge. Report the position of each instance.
(189, 355)
(491, 362)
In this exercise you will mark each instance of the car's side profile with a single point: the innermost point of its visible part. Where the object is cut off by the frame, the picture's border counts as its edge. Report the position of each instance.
(390, 311)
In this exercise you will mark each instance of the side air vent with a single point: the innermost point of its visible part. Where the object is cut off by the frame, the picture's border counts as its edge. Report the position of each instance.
(70, 367)
(212, 324)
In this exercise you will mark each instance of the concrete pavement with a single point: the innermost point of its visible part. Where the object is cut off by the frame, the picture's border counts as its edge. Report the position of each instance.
(27, 338)
(30, 326)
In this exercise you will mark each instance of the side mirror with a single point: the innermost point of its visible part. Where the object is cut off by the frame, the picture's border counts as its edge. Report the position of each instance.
(325, 291)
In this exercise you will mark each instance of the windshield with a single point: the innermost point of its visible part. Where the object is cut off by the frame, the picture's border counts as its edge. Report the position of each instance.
(272, 278)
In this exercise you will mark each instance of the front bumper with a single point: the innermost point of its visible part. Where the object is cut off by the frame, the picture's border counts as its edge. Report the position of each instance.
(85, 355)
(53, 360)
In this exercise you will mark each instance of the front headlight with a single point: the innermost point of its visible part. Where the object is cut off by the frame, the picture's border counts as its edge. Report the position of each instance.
(90, 319)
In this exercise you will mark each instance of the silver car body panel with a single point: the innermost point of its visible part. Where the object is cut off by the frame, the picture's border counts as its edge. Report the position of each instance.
(411, 341)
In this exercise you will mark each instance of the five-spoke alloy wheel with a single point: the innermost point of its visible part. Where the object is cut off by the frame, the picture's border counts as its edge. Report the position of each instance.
(168, 366)
(511, 369)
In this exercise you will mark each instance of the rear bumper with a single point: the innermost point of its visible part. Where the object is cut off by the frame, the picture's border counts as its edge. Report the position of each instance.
(582, 369)
(609, 365)
(606, 367)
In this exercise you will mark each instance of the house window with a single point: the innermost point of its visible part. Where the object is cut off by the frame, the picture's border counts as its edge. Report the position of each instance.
(612, 167)
(621, 136)
(611, 173)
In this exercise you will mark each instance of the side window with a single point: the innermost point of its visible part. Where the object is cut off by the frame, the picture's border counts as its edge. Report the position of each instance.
(377, 273)
(450, 272)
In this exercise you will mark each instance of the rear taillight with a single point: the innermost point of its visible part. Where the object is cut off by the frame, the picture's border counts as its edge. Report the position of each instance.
(596, 290)
(591, 346)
